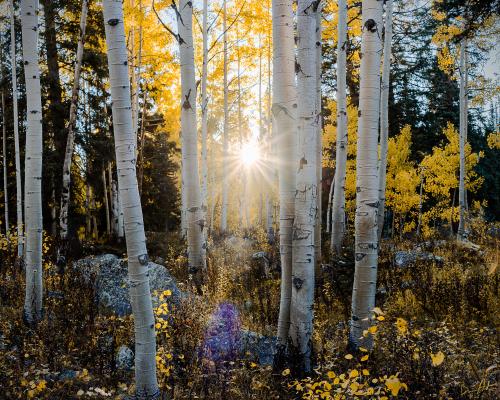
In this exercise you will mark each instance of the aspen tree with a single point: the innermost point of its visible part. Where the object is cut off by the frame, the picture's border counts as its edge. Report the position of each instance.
(204, 114)
(140, 296)
(284, 119)
(225, 179)
(303, 254)
(33, 164)
(195, 222)
(70, 141)
(106, 203)
(462, 229)
(384, 116)
(366, 250)
(338, 203)
(19, 187)
(4, 159)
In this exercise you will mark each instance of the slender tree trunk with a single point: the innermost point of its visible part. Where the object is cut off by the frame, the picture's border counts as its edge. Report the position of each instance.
(384, 116)
(301, 313)
(4, 159)
(329, 209)
(204, 115)
(225, 179)
(284, 114)
(106, 203)
(462, 229)
(140, 296)
(319, 140)
(366, 250)
(115, 210)
(270, 196)
(195, 221)
(142, 142)
(338, 204)
(19, 186)
(420, 205)
(70, 141)
(33, 163)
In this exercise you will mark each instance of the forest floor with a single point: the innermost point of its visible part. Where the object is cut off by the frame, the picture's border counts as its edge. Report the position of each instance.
(436, 334)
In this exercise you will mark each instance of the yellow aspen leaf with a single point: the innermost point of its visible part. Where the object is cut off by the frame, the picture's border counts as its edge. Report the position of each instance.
(380, 318)
(372, 329)
(286, 372)
(348, 356)
(364, 358)
(330, 374)
(378, 311)
(354, 373)
(437, 359)
(366, 372)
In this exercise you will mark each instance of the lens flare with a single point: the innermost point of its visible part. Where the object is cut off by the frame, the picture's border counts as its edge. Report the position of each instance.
(250, 154)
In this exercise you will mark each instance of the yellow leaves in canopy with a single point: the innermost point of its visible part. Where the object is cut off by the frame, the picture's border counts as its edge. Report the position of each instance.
(437, 359)
(494, 140)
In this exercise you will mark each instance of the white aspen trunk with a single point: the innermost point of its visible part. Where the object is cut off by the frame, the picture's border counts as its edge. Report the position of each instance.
(4, 159)
(319, 140)
(121, 217)
(338, 205)
(19, 186)
(195, 221)
(114, 196)
(284, 115)
(225, 180)
(70, 141)
(132, 72)
(366, 249)
(184, 223)
(329, 209)
(462, 229)
(384, 117)
(421, 203)
(33, 163)
(204, 116)
(140, 296)
(106, 203)
(270, 197)
(306, 208)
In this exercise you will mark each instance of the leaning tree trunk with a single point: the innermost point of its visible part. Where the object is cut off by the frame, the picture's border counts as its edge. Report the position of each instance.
(195, 222)
(70, 141)
(4, 159)
(329, 208)
(204, 115)
(19, 186)
(462, 229)
(140, 296)
(33, 163)
(284, 114)
(106, 202)
(384, 117)
(366, 250)
(225, 179)
(301, 313)
(338, 203)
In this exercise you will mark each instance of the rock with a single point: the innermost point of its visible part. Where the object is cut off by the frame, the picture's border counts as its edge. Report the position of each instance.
(124, 358)
(108, 274)
(258, 347)
(403, 259)
(67, 375)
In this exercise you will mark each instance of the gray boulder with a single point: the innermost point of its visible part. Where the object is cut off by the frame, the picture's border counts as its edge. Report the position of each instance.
(258, 347)
(404, 259)
(108, 274)
(124, 358)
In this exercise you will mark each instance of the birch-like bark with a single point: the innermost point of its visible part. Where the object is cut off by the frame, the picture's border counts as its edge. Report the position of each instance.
(140, 296)
(284, 111)
(329, 208)
(384, 116)
(195, 221)
(33, 163)
(366, 243)
(301, 310)
(338, 204)
(114, 196)
(462, 229)
(204, 115)
(19, 186)
(70, 141)
(4, 159)
(106, 203)
(225, 178)
(271, 133)
(319, 140)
